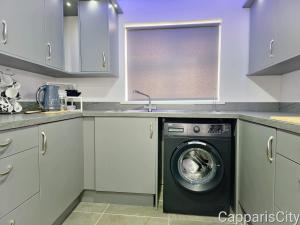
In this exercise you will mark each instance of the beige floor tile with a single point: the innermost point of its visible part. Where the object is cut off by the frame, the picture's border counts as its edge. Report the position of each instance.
(91, 207)
(108, 219)
(77, 218)
(194, 218)
(135, 210)
(192, 222)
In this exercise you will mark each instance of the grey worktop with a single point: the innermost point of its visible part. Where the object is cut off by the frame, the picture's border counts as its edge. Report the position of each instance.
(23, 120)
(262, 118)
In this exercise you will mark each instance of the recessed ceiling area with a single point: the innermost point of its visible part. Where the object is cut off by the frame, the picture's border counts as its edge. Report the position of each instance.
(70, 7)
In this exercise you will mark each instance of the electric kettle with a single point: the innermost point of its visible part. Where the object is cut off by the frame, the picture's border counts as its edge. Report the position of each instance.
(47, 97)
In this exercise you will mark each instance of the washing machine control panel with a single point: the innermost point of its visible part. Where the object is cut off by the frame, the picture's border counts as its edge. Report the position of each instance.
(204, 130)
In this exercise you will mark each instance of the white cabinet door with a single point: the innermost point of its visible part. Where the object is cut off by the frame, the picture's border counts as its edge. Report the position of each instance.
(94, 36)
(22, 21)
(61, 167)
(257, 172)
(126, 154)
(54, 33)
(262, 27)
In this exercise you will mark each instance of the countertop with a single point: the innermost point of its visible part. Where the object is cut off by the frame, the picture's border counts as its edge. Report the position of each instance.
(24, 120)
(264, 118)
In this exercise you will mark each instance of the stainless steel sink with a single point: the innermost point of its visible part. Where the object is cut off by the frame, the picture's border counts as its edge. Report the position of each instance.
(146, 111)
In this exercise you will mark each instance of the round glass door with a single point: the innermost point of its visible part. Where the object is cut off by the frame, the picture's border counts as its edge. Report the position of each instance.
(197, 166)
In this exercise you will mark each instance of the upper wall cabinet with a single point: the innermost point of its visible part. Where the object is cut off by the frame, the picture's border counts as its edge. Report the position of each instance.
(21, 30)
(54, 33)
(98, 37)
(274, 47)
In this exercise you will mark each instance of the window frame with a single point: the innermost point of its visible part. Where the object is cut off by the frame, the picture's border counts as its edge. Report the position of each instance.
(132, 26)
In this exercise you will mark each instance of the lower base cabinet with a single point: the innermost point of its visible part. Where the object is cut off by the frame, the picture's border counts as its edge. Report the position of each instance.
(257, 168)
(25, 214)
(126, 154)
(61, 167)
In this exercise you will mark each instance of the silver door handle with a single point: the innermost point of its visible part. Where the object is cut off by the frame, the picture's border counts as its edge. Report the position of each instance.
(9, 169)
(270, 149)
(44, 143)
(49, 51)
(271, 49)
(103, 60)
(151, 130)
(4, 32)
(7, 142)
(3, 146)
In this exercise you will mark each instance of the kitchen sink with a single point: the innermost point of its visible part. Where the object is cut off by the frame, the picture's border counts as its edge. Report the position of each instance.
(146, 111)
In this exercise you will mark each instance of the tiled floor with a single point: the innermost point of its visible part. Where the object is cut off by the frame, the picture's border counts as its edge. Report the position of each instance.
(111, 214)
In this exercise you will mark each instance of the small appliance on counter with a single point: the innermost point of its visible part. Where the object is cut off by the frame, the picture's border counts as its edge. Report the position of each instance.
(48, 98)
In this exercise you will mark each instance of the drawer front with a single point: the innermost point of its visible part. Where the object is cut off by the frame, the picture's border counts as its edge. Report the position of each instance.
(14, 141)
(25, 214)
(289, 145)
(287, 184)
(21, 182)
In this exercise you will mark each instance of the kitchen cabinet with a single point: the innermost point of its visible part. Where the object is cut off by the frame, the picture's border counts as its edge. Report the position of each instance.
(19, 179)
(98, 37)
(61, 167)
(22, 29)
(257, 167)
(25, 214)
(89, 152)
(274, 47)
(126, 152)
(286, 35)
(17, 140)
(261, 35)
(54, 33)
(287, 192)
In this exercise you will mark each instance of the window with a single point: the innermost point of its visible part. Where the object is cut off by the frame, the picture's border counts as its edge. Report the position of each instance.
(173, 62)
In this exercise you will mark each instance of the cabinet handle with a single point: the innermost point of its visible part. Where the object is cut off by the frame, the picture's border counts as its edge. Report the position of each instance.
(4, 32)
(103, 60)
(271, 49)
(7, 142)
(9, 169)
(44, 144)
(270, 149)
(151, 130)
(49, 51)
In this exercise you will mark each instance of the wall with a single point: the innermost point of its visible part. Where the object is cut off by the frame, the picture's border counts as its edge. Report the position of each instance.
(234, 85)
(290, 87)
(30, 82)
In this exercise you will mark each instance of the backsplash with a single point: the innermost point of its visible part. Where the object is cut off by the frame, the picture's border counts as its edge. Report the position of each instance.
(289, 107)
(30, 82)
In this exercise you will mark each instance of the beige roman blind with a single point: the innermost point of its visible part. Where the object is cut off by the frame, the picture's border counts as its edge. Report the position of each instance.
(173, 63)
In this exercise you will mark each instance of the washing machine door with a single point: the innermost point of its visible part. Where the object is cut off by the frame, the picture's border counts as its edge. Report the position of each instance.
(197, 166)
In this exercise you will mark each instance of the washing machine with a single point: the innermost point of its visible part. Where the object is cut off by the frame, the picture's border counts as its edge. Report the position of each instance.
(198, 168)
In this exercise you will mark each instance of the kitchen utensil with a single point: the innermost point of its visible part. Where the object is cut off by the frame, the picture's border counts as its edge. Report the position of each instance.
(17, 85)
(17, 107)
(11, 92)
(47, 97)
(6, 80)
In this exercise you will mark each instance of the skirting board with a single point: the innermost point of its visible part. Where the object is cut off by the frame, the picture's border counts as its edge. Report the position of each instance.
(118, 198)
(67, 212)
